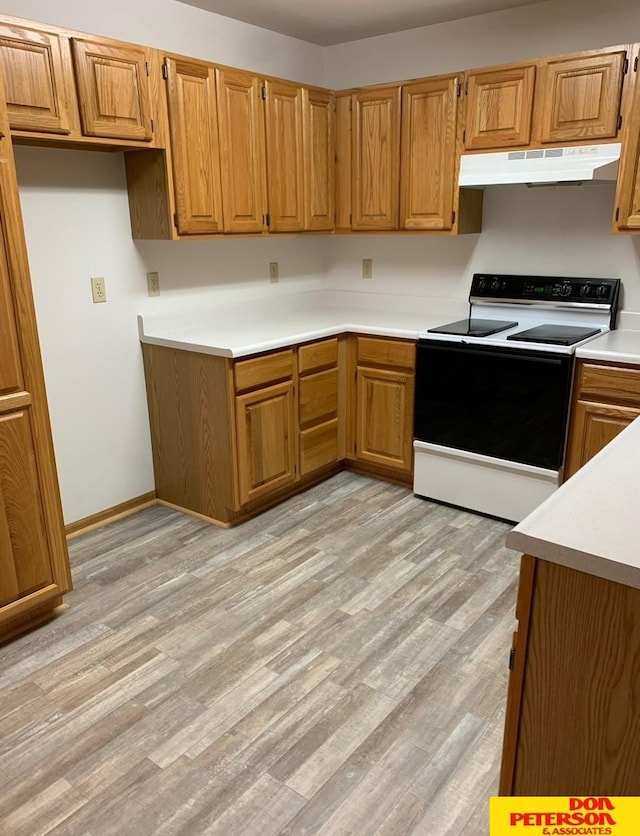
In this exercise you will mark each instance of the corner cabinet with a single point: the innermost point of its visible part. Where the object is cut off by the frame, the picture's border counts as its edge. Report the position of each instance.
(383, 400)
(627, 217)
(607, 400)
(34, 563)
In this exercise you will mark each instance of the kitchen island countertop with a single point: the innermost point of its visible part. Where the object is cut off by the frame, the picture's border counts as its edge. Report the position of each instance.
(590, 522)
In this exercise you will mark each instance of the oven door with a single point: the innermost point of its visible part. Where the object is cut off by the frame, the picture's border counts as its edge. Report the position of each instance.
(506, 403)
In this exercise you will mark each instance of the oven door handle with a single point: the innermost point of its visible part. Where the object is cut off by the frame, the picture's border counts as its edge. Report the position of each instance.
(534, 357)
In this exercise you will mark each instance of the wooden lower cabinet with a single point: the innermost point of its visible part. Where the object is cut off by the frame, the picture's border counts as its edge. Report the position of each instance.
(572, 724)
(265, 428)
(607, 399)
(383, 404)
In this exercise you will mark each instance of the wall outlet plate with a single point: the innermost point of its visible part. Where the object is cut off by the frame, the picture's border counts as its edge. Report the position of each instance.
(98, 289)
(367, 268)
(274, 272)
(153, 284)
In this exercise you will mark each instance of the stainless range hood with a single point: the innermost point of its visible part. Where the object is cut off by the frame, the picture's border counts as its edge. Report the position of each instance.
(578, 163)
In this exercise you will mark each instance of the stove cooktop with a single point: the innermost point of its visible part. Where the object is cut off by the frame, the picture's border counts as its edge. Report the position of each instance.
(555, 334)
(474, 327)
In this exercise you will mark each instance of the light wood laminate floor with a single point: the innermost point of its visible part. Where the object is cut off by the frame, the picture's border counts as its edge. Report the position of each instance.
(337, 665)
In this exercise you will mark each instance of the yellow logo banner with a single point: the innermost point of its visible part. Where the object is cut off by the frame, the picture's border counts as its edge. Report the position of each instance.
(565, 816)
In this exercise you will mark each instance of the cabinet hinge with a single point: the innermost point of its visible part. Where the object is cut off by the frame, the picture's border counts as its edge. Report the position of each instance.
(617, 212)
(153, 127)
(165, 71)
(295, 468)
(175, 219)
(267, 219)
(453, 219)
(263, 93)
(619, 121)
(459, 90)
(147, 67)
(350, 220)
(635, 65)
(464, 136)
(512, 658)
(625, 68)
(466, 88)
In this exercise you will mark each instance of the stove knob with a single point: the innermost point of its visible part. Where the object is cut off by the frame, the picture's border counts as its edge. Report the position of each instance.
(567, 290)
(482, 285)
(602, 291)
(496, 285)
(585, 290)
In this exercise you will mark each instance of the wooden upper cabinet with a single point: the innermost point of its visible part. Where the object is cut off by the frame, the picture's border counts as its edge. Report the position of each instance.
(429, 120)
(319, 159)
(37, 88)
(242, 152)
(628, 191)
(113, 89)
(376, 158)
(11, 378)
(579, 98)
(343, 161)
(499, 107)
(193, 120)
(285, 157)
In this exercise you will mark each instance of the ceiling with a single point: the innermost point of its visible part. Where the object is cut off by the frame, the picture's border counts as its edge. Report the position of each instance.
(328, 22)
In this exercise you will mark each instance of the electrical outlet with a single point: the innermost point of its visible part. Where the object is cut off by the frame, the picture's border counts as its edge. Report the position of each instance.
(367, 268)
(274, 274)
(153, 284)
(98, 289)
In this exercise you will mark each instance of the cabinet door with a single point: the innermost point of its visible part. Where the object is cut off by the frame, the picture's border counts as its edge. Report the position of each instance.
(285, 172)
(384, 417)
(113, 89)
(265, 427)
(240, 111)
(579, 98)
(628, 190)
(594, 426)
(37, 93)
(429, 120)
(376, 158)
(193, 119)
(319, 159)
(499, 107)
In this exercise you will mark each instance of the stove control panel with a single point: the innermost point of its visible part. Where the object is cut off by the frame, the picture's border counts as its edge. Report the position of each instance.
(547, 289)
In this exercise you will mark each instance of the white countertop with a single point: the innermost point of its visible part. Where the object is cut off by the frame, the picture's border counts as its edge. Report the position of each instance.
(248, 328)
(619, 346)
(590, 522)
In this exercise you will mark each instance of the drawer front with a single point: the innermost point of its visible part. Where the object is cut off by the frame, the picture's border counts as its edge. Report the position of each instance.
(610, 383)
(318, 396)
(319, 447)
(386, 352)
(318, 355)
(259, 371)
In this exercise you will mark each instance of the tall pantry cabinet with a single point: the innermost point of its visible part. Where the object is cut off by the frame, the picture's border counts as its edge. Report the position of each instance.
(34, 564)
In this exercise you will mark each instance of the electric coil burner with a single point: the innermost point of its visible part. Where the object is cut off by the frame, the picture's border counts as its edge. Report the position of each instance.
(493, 390)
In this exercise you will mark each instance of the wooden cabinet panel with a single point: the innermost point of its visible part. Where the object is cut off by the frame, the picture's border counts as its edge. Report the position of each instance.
(319, 159)
(429, 120)
(258, 371)
(376, 158)
(343, 162)
(384, 417)
(317, 355)
(319, 447)
(35, 82)
(285, 166)
(242, 152)
(594, 425)
(395, 353)
(22, 505)
(265, 429)
(628, 191)
(609, 383)
(579, 98)
(318, 396)
(113, 89)
(11, 379)
(499, 107)
(193, 119)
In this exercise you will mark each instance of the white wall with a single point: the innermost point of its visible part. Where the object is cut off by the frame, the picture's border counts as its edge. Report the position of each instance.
(550, 28)
(76, 220)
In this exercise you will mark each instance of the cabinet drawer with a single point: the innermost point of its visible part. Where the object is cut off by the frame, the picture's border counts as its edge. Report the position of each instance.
(262, 370)
(317, 355)
(318, 447)
(318, 396)
(386, 352)
(610, 383)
